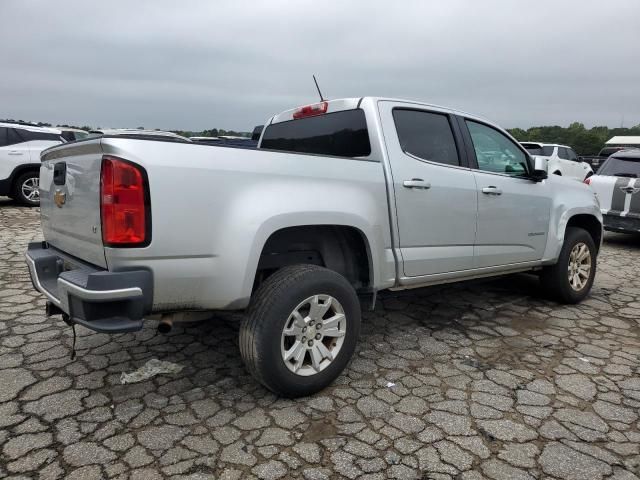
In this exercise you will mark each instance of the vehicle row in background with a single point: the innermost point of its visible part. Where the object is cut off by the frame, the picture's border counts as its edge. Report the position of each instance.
(137, 132)
(617, 185)
(561, 159)
(20, 147)
(611, 146)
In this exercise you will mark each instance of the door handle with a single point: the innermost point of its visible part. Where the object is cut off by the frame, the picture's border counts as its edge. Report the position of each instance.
(418, 183)
(16, 153)
(492, 190)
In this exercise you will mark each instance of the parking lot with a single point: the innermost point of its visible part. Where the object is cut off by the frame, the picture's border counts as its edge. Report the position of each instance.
(481, 380)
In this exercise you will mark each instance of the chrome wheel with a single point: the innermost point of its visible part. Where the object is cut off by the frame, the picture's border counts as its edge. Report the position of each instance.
(313, 335)
(579, 268)
(30, 189)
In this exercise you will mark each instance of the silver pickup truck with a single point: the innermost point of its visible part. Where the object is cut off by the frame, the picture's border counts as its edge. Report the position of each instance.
(341, 198)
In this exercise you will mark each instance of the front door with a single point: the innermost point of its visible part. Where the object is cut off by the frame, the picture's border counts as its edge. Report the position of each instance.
(435, 192)
(513, 211)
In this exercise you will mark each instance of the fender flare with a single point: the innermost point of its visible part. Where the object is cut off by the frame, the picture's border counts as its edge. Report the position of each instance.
(279, 222)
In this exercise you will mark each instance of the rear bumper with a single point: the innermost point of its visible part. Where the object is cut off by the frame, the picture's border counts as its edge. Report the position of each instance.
(109, 302)
(615, 223)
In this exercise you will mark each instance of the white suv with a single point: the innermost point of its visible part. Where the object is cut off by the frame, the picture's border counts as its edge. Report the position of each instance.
(561, 160)
(20, 147)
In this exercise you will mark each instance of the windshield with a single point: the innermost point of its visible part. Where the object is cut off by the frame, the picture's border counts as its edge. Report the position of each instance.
(621, 167)
(606, 151)
(540, 150)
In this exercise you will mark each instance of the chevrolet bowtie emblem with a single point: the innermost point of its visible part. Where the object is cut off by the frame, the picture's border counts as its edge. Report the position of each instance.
(60, 198)
(631, 190)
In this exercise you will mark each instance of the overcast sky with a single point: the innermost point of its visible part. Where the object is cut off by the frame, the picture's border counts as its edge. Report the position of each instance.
(196, 65)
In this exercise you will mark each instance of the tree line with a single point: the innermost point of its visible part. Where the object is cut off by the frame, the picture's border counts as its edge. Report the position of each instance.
(585, 141)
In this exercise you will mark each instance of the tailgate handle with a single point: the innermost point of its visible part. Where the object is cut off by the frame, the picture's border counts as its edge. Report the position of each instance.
(60, 173)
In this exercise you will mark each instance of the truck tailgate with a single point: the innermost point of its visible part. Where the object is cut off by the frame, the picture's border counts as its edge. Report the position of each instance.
(70, 200)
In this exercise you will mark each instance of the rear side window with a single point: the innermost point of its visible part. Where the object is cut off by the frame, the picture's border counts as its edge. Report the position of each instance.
(343, 134)
(10, 136)
(426, 135)
(29, 135)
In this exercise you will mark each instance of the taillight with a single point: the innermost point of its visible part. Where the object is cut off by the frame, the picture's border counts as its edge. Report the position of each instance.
(587, 181)
(124, 205)
(311, 110)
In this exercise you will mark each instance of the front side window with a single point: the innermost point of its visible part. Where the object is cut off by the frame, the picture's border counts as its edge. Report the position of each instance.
(572, 155)
(426, 135)
(562, 153)
(343, 134)
(495, 152)
(3, 136)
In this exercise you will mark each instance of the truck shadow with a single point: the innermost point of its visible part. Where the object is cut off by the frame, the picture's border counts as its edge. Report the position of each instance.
(212, 366)
(631, 240)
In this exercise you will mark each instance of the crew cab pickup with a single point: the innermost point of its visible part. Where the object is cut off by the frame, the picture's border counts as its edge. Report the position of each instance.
(340, 199)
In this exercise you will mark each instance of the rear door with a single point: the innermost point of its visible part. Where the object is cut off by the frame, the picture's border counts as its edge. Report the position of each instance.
(13, 152)
(70, 200)
(435, 191)
(513, 211)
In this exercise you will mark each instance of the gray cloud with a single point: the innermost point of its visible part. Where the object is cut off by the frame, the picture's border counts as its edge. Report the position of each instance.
(231, 64)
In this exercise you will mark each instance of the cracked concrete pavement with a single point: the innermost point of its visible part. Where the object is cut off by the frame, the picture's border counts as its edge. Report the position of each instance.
(481, 380)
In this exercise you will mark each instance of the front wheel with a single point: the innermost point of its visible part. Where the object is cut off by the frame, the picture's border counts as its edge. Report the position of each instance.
(26, 189)
(300, 330)
(571, 278)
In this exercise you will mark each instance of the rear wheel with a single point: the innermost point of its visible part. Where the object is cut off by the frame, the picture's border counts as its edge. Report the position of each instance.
(26, 189)
(571, 278)
(300, 330)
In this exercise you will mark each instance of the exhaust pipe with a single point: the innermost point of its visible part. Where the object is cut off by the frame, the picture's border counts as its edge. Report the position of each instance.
(165, 325)
(168, 319)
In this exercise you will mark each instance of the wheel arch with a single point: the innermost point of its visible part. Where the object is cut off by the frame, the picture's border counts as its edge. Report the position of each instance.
(589, 223)
(19, 170)
(343, 248)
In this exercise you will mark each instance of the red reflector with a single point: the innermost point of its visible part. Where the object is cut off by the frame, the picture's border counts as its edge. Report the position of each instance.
(123, 209)
(311, 110)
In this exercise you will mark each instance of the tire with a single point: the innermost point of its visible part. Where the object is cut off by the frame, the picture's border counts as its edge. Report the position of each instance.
(264, 345)
(555, 279)
(21, 192)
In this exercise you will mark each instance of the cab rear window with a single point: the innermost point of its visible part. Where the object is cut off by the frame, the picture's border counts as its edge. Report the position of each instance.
(342, 134)
(540, 150)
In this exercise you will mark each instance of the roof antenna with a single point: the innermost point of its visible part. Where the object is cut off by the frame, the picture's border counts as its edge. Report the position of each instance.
(319, 92)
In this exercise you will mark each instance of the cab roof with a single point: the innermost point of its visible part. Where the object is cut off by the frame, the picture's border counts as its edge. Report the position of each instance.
(631, 154)
(341, 104)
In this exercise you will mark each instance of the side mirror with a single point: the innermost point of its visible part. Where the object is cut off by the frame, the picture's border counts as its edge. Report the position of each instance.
(540, 169)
